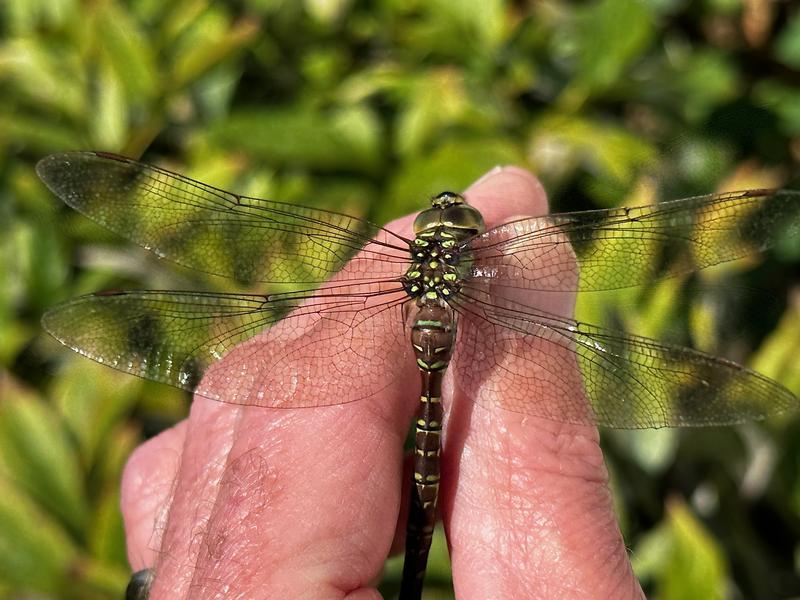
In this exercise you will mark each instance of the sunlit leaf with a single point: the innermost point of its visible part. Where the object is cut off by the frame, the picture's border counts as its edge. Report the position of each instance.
(125, 46)
(696, 566)
(461, 30)
(437, 100)
(560, 142)
(29, 131)
(327, 12)
(652, 449)
(210, 41)
(45, 77)
(110, 120)
(777, 355)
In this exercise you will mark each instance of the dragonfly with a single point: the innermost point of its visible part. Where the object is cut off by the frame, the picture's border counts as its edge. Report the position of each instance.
(361, 303)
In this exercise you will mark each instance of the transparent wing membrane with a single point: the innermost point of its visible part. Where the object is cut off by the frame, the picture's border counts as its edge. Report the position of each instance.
(199, 226)
(624, 247)
(554, 367)
(519, 347)
(175, 337)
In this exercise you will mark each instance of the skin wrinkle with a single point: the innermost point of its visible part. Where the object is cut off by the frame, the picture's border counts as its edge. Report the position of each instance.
(336, 536)
(538, 520)
(210, 538)
(331, 545)
(237, 504)
(176, 564)
(566, 454)
(524, 538)
(303, 549)
(523, 544)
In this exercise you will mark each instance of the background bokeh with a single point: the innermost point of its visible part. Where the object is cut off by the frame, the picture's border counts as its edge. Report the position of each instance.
(369, 108)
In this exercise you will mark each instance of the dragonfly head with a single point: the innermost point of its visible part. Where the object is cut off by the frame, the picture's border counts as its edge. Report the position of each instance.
(450, 210)
(446, 199)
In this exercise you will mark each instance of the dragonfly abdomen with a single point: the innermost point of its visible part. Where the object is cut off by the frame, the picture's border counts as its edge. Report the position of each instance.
(432, 336)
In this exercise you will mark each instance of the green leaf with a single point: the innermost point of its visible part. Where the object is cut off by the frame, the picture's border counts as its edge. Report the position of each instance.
(38, 136)
(35, 553)
(93, 400)
(207, 53)
(478, 26)
(126, 50)
(560, 142)
(43, 76)
(39, 260)
(652, 449)
(787, 45)
(459, 30)
(696, 566)
(344, 138)
(210, 41)
(609, 36)
(37, 457)
(109, 122)
(106, 534)
(783, 100)
(682, 558)
(703, 80)
(436, 100)
(777, 355)
(327, 12)
(24, 16)
(452, 166)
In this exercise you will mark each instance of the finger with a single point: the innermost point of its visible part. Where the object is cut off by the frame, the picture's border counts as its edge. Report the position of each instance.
(285, 503)
(147, 487)
(525, 501)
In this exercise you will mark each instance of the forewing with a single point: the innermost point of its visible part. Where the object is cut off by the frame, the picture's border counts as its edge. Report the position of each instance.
(519, 358)
(325, 337)
(214, 231)
(625, 247)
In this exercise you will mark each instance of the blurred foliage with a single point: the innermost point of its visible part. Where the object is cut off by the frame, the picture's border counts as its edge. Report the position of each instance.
(368, 108)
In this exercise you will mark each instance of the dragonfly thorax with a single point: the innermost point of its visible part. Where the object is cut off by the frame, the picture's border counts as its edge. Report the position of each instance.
(436, 268)
(450, 210)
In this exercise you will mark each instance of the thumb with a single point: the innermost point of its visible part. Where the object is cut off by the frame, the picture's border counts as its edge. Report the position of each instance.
(525, 500)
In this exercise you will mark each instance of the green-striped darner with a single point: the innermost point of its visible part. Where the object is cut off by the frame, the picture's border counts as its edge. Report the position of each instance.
(367, 302)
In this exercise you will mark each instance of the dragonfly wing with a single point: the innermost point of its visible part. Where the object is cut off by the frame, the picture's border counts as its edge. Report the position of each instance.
(321, 346)
(529, 361)
(624, 247)
(214, 231)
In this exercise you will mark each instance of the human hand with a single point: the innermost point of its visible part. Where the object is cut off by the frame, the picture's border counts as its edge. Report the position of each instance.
(247, 502)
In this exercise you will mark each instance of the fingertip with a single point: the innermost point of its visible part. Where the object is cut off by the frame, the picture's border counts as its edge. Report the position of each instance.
(507, 191)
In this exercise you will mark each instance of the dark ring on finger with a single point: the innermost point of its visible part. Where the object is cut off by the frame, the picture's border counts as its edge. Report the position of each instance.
(139, 585)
